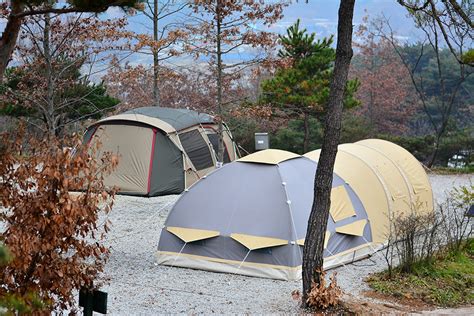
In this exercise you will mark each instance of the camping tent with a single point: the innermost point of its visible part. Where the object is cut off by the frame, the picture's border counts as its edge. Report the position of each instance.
(386, 177)
(161, 150)
(256, 223)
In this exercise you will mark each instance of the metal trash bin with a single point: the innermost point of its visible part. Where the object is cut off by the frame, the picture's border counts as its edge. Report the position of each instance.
(261, 141)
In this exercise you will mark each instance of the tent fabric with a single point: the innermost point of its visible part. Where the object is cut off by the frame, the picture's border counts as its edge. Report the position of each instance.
(261, 210)
(269, 156)
(396, 188)
(256, 242)
(261, 205)
(161, 150)
(326, 240)
(133, 145)
(138, 118)
(214, 139)
(384, 176)
(179, 119)
(190, 235)
(354, 228)
(470, 211)
(167, 176)
(411, 168)
(341, 206)
(368, 187)
(197, 149)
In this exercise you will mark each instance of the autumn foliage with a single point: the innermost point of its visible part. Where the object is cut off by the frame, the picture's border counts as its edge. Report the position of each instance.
(322, 296)
(385, 92)
(54, 236)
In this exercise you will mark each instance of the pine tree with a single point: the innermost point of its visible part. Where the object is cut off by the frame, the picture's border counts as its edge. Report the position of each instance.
(302, 90)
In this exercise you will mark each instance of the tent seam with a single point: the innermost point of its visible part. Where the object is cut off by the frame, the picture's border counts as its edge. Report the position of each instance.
(400, 170)
(291, 213)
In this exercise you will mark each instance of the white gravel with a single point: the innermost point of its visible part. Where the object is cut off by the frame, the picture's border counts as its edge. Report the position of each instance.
(137, 285)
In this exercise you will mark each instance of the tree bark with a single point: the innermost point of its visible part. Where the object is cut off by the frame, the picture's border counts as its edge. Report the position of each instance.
(317, 223)
(220, 129)
(10, 36)
(156, 65)
(306, 133)
(51, 117)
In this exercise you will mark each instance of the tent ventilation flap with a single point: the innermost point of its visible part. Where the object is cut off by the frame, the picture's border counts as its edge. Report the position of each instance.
(191, 234)
(326, 240)
(355, 228)
(256, 242)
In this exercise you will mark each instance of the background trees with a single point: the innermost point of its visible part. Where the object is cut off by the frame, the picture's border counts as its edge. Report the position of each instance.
(301, 90)
(451, 20)
(439, 81)
(222, 28)
(168, 21)
(386, 93)
(16, 11)
(52, 86)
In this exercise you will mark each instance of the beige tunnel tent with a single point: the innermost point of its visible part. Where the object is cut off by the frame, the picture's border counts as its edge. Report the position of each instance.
(388, 179)
(161, 150)
(256, 224)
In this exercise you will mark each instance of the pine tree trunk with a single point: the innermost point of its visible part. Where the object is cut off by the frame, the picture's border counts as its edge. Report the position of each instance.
(156, 65)
(306, 133)
(317, 223)
(10, 36)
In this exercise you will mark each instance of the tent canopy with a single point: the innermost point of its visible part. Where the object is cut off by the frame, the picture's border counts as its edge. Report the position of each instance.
(179, 119)
(251, 215)
(161, 150)
(259, 206)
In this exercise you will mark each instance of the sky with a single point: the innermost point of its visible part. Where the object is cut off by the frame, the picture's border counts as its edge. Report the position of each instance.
(317, 16)
(320, 16)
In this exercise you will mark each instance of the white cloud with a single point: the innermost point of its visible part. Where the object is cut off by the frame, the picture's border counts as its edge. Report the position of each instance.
(114, 13)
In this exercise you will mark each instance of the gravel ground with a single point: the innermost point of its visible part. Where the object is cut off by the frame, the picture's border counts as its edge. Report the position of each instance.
(137, 285)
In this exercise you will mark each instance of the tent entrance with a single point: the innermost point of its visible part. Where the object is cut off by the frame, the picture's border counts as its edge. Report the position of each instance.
(166, 174)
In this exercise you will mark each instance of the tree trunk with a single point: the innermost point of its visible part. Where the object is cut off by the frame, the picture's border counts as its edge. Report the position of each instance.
(51, 118)
(434, 154)
(317, 223)
(10, 36)
(371, 104)
(156, 65)
(306, 133)
(220, 129)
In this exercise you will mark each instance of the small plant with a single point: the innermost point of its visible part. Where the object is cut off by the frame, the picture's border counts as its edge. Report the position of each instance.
(412, 238)
(53, 236)
(322, 296)
(445, 281)
(456, 225)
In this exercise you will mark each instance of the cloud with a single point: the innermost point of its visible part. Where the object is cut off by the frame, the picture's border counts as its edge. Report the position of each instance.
(114, 13)
(402, 38)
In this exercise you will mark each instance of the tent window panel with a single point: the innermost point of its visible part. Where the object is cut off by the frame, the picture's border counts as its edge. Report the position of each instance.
(214, 139)
(341, 205)
(264, 251)
(196, 149)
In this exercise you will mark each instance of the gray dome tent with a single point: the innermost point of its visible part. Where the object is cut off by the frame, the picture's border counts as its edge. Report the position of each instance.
(250, 217)
(256, 223)
(161, 150)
